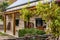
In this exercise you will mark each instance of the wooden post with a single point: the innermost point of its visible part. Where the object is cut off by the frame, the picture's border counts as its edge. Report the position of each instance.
(4, 23)
(13, 17)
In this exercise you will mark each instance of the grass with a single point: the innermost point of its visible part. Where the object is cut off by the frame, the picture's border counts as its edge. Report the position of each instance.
(0, 19)
(3, 34)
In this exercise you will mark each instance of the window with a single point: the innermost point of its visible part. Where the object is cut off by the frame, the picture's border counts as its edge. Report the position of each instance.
(17, 22)
(39, 22)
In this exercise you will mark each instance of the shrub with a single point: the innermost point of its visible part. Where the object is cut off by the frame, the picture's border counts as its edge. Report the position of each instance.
(32, 31)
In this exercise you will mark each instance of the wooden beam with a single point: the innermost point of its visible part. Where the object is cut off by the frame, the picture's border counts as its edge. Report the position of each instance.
(15, 11)
(4, 23)
(11, 12)
(13, 17)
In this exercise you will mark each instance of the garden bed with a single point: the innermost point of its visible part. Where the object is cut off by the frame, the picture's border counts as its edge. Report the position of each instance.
(31, 34)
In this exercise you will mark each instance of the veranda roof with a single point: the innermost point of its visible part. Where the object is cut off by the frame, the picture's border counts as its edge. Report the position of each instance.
(21, 3)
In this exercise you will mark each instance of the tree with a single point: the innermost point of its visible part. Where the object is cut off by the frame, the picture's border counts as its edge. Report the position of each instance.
(51, 15)
(26, 15)
(3, 8)
(56, 23)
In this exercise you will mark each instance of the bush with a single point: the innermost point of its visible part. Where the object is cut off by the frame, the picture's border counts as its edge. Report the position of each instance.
(32, 31)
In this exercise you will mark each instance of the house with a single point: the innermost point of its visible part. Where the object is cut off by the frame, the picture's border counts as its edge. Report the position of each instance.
(12, 20)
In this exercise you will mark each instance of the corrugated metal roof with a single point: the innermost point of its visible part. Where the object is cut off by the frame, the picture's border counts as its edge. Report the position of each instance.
(20, 2)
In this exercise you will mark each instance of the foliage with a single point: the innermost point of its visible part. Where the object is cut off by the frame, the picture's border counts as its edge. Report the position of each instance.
(45, 11)
(3, 6)
(51, 15)
(56, 23)
(26, 14)
(0, 16)
(32, 31)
